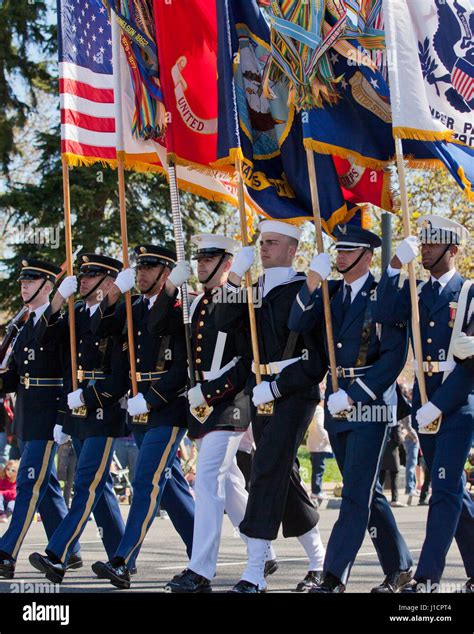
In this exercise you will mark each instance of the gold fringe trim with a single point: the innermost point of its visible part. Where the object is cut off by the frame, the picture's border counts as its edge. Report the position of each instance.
(467, 184)
(422, 135)
(222, 172)
(327, 148)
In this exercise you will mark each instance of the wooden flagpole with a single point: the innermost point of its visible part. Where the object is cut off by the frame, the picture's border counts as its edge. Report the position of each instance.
(320, 246)
(121, 191)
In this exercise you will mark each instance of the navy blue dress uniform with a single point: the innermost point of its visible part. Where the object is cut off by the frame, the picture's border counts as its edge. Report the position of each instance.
(161, 376)
(294, 366)
(222, 363)
(369, 360)
(35, 373)
(93, 429)
(450, 388)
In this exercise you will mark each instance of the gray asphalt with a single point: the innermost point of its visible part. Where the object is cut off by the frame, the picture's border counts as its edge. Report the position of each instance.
(163, 555)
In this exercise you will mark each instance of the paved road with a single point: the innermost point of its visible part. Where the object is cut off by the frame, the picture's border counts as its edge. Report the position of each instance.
(163, 555)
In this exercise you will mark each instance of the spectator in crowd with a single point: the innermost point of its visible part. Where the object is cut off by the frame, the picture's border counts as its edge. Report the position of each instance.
(411, 445)
(126, 451)
(67, 461)
(319, 449)
(188, 456)
(8, 475)
(391, 463)
(469, 469)
(425, 488)
(3, 431)
(245, 455)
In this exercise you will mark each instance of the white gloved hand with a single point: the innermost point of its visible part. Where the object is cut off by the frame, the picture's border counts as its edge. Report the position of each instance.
(338, 402)
(196, 397)
(408, 249)
(125, 280)
(463, 346)
(427, 414)
(243, 260)
(59, 436)
(137, 405)
(68, 286)
(262, 393)
(180, 274)
(321, 264)
(74, 399)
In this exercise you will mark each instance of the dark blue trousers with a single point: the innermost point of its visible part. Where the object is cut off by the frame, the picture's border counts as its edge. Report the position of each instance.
(177, 500)
(154, 470)
(359, 453)
(91, 495)
(37, 490)
(451, 511)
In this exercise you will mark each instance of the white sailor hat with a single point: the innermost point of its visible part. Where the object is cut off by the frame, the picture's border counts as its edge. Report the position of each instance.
(441, 230)
(275, 226)
(212, 244)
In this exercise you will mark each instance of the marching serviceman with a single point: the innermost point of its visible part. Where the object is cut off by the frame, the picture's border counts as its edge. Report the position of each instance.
(445, 304)
(358, 415)
(94, 418)
(292, 367)
(35, 373)
(222, 365)
(158, 410)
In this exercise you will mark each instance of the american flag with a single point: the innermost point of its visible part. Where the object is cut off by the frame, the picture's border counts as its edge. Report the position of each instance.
(86, 83)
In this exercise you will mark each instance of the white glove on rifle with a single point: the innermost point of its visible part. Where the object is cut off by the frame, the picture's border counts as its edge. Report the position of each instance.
(321, 264)
(125, 280)
(68, 286)
(180, 274)
(137, 405)
(262, 393)
(74, 399)
(243, 260)
(196, 397)
(338, 402)
(59, 436)
(427, 414)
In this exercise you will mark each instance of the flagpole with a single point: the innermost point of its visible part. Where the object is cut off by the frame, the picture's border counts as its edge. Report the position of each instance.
(69, 270)
(267, 408)
(415, 314)
(122, 201)
(320, 246)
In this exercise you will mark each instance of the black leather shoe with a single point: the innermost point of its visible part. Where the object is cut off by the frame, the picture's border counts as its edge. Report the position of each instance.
(271, 566)
(393, 582)
(188, 581)
(468, 587)
(74, 562)
(53, 572)
(329, 585)
(245, 587)
(119, 576)
(313, 579)
(97, 569)
(7, 568)
(413, 587)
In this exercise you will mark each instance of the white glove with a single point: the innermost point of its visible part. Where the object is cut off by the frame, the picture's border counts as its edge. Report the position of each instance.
(463, 346)
(125, 280)
(59, 436)
(321, 264)
(68, 286)
(408, 249)
(196, 397)
(180, 274)
(262, 394)
(338, 402)
(243, 260)
(74, 399)
(137, 405)
(427, 414)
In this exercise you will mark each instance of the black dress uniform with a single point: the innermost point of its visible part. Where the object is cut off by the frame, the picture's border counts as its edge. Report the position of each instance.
(369, 361)
(161, 375)
(35, 373)
(222, 364)
(94, 429)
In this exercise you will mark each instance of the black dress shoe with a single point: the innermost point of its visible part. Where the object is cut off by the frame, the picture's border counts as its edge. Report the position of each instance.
(393, 582)
(245, 587)
(97, 569)
(414, 586)
(53, 571)
(329, 585)
(74, 562)
(468, 587)
(271, 566)
(313, 578)
(188, 581)
(7, 568)
(118, 575)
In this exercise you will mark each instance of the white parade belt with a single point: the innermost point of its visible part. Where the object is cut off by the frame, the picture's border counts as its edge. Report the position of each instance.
(436, 366)
(351, 373)
(275, 367)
